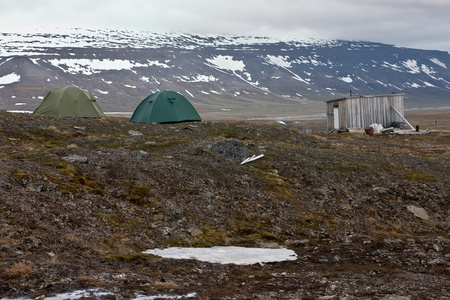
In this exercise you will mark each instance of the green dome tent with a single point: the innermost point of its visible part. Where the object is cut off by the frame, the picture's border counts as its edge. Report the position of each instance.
(165, 107)
(69, 101)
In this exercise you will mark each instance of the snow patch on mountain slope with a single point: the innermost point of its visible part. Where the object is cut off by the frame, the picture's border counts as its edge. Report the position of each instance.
(31, 43)
(2, 61)
(227, 62)
(237, 67)
(197, 78)
(190, 94)
(411, 65)
(438, 62)
(347, 79)
(281, 61)
(253, 60)
(394, 67)
(427, 84)
(10, 78)
(91, 66)
(158, 64)
(427, 70)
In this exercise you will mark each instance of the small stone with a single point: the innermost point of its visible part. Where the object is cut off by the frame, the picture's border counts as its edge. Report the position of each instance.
(134, 133)
(194, 231)
(35, 187)
(395, 297)
(76, 158)
(296, 242)
(437, 248)
(418, 212)
(142, 153)
(381, 190)
(233, 149)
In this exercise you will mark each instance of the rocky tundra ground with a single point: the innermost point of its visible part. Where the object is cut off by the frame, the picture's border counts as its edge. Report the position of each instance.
(81, 199)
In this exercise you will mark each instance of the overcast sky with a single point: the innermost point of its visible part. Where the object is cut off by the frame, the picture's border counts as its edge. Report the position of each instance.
(423, 24)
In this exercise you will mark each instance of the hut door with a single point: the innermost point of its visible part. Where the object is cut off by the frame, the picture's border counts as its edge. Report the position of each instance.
(336, 117)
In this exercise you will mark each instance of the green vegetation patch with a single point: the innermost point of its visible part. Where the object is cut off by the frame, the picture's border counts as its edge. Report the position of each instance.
(423, 177)
(131, 258)
(137, 194)
(71, 179)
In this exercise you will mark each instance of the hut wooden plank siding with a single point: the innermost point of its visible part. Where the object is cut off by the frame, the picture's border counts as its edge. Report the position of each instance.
(362, 111)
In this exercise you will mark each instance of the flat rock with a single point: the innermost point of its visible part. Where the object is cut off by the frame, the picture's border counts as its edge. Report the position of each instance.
(76, 158)
(418, 212)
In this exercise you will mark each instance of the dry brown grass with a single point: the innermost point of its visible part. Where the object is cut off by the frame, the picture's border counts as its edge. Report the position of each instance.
(167, 285)
(17, 270)
(430, 120)
(53, 128)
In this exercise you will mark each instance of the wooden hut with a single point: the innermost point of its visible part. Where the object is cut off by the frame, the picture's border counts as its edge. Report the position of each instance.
(363, 111)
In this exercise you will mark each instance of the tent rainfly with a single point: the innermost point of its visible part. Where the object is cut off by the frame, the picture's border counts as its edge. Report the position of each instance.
(165, 107)
(69, 101)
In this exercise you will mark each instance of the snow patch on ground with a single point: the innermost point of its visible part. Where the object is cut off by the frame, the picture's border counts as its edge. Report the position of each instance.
(227, 255)
(96, 294)
(221, 255)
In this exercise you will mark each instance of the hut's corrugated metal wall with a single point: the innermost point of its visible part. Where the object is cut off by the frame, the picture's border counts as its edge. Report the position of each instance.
(361, 112)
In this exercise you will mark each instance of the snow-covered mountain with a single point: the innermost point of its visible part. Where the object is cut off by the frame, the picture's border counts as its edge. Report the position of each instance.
(121, 68)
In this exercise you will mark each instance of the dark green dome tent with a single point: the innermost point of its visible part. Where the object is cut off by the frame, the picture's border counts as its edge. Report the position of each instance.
(165, 107)
(69, 101)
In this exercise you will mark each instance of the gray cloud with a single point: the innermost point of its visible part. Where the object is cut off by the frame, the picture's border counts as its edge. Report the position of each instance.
(410, 23)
